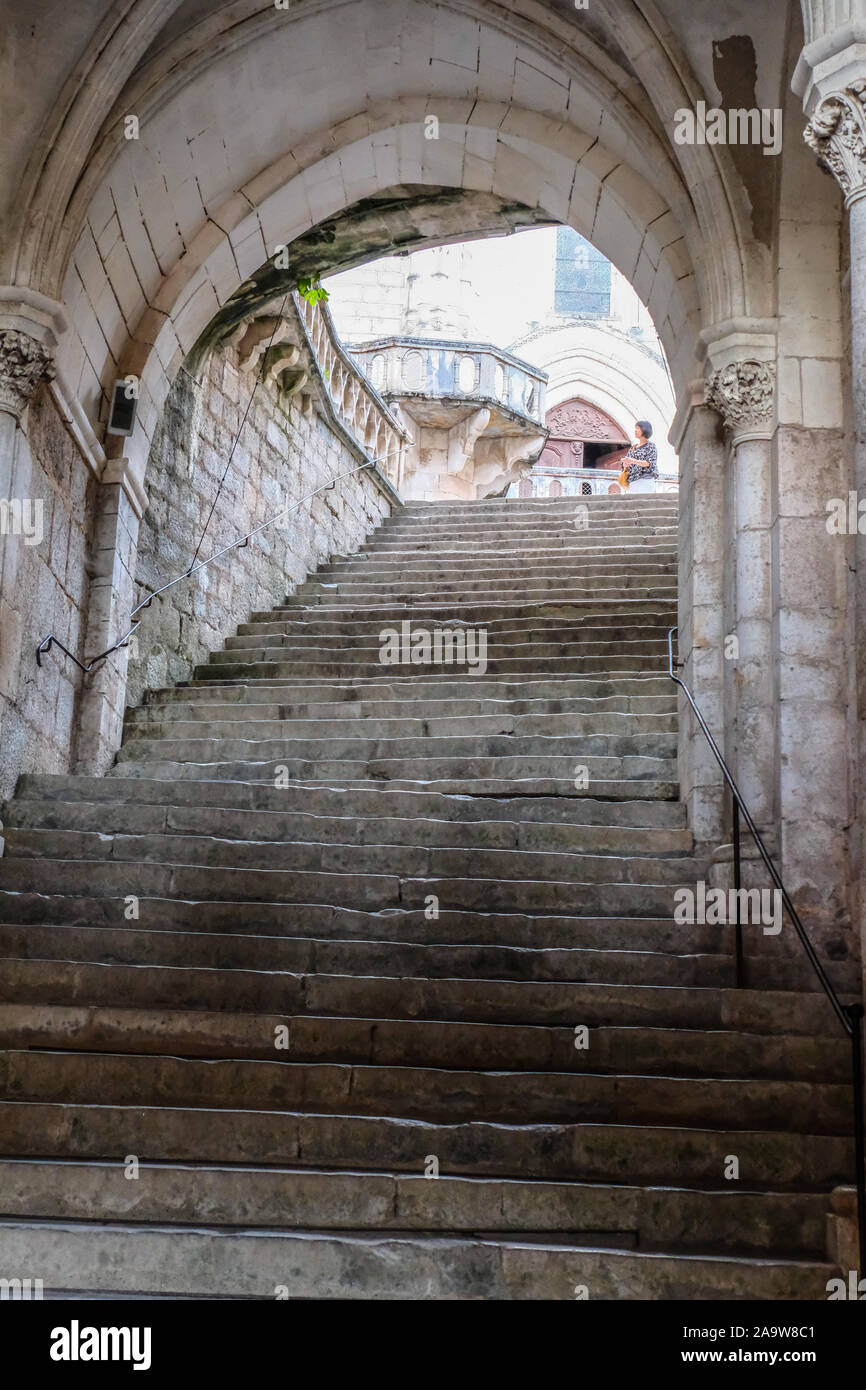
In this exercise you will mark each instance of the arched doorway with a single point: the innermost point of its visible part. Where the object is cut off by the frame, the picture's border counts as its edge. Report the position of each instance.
(581, 437)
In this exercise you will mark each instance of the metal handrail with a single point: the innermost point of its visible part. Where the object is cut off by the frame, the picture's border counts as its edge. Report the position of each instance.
(51, 641)
(849, 1015)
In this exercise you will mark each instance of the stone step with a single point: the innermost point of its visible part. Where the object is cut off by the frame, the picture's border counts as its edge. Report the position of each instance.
(537, 639)
(628, 504)
(545, 931)
(578, 606)
(368, 646)
(140, 945)
(74, 1006)
(603, 553)
(465, 595)
(423, 1093)
(264, 1264)
(617, 687)
(546, 566)
(477, 781)
(406, 860)
(205, 703)
(376, 891)
(362, 802)
(289, 1198)
(583, 1152)
(228, 721)
(652, 957)
(591, 627)
(637, 752)
(474, 1001)
(134, 818)
(534, 535)
(466, 580)
(262, 757)
(283, 667)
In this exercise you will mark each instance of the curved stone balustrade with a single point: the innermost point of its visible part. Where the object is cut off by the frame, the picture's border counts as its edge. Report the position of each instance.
(579, 482)
(432, 368)
(353, 398)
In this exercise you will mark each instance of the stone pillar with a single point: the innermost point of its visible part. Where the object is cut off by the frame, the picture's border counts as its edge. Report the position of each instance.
(837, 134)
(25, 363)
(743, 394)
(831, 79)
(121, 505)
(697, 438)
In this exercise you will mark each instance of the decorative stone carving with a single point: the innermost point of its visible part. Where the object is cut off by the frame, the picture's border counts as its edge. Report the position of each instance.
(24, 363)
(837, 134)
(743, 393)
(579, 420)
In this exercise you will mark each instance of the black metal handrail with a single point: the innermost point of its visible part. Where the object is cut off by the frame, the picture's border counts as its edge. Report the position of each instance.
(87, 666)
(849, 1015)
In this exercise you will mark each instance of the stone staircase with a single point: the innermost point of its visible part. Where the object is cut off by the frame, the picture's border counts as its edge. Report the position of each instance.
(426, 883)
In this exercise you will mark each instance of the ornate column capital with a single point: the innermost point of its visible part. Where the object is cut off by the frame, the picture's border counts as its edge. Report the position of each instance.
(743, 393)
(24, 364)
(837, 134)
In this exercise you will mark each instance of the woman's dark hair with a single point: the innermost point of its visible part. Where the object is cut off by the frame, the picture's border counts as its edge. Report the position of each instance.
(645, 428)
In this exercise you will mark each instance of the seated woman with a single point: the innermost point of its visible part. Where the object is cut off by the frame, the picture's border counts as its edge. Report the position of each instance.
(641, 461)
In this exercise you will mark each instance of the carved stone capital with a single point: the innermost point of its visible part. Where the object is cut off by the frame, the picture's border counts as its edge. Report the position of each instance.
(744, 395)
(24, 363)
(837, 134)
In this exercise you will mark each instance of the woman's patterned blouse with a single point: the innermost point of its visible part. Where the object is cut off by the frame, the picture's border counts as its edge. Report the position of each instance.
(648, 467)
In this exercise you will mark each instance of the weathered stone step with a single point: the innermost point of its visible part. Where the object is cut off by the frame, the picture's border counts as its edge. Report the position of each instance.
(402, 577)
(556, 591)
(470, 1000)
(365, 802)
(576, 606)
(204, 704)
(461, 601)
(546, 932)
(659, 535)
(291, 1198)
(628, 504)
(73, 1006)
(409, 860)
(228, 721)
(283, 666)
(507, 577)
(119, 878)
(544, 566)
(640, 752)
(424, 1093)
(537, 639)
(133, 818)
(452, 687)
(368, 646)
(576, 1152)
(265, 755)
(512, 624)
(140, 945)
(653, 957)
(242, 1263)
(543, 628)
(501, 782)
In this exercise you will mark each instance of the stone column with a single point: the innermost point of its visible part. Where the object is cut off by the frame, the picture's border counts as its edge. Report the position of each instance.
(121, 504)
(697, 438)
(837, 134)
(743, 393)
(25, 363)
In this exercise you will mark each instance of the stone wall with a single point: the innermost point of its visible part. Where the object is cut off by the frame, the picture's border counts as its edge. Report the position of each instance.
(282, 454)
(44, 589)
